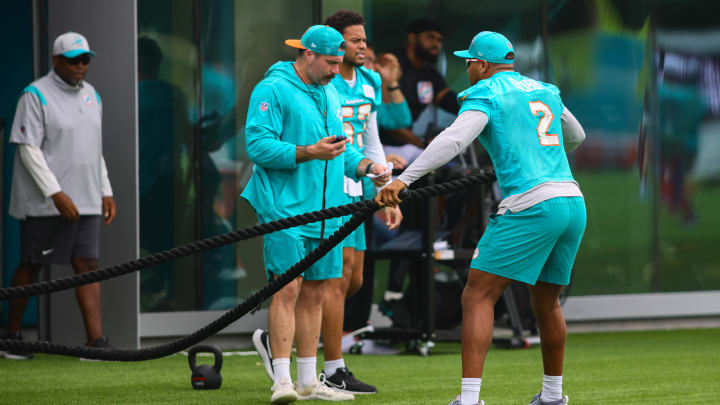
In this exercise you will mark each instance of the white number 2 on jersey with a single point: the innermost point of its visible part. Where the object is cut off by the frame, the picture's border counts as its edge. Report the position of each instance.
(537, 107)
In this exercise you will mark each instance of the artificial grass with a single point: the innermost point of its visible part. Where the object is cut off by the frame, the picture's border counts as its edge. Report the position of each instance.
(661, 367)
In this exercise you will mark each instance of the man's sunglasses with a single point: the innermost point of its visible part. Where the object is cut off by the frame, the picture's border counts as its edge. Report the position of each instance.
(84, 59)
(469, 61)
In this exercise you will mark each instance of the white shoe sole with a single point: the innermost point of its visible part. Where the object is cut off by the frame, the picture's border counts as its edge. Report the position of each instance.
(267, 362)
(342, 397)
(11, 356)
(285, 398)
(324, 399)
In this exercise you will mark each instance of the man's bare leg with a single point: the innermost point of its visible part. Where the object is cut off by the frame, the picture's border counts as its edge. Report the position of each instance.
(308, 319)
(478, 301)
(26, 273)
(89, 300)
(544, 298)
(334, 308)
(356, 280)
(281, 319)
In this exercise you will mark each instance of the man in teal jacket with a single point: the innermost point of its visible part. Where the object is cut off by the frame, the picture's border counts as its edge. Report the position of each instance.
(291, 134)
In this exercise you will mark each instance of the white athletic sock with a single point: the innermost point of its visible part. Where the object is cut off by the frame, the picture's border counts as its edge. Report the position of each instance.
(470, 394)
(281, 368)
(306, 369)
(332, 365)
(552, 388)
(392, 295)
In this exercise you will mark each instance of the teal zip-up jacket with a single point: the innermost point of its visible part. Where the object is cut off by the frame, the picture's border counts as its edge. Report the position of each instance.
(285, 112)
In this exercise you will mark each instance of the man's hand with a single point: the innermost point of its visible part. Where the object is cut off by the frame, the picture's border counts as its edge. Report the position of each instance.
(377, 170)
(108, 209)
(389, 68)
(388, 196)
(65, 206)
(393, 217)
(324, 149)
(397, 161)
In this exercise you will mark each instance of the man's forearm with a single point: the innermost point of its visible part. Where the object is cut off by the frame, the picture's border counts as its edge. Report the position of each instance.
(303, 153)
(362, 167)
(392, 96)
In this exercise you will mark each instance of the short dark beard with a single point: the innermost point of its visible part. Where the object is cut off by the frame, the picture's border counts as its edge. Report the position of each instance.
(356, 64)
(423, 54)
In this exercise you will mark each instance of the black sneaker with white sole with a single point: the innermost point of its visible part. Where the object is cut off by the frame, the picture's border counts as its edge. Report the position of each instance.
(14, 354)
(344, 381)
(261, 341)
(100, 343)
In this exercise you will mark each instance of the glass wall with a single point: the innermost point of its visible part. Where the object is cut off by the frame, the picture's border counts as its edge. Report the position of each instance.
(198, 62)
(648, 168)
(684, 155)
(598, 57)
(642, 81)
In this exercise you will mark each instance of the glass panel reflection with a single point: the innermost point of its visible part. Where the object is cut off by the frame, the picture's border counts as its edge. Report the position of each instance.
(166, 107)
(198, 63)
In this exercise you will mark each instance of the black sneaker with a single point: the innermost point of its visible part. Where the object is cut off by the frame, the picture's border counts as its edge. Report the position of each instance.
(100, 343)
(344, 381)
(14, 355)
(261, 341)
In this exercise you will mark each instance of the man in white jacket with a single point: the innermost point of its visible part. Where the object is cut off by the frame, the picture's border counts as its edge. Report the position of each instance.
(61, 191)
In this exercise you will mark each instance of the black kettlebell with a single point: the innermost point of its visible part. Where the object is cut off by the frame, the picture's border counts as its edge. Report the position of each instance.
(205, 376)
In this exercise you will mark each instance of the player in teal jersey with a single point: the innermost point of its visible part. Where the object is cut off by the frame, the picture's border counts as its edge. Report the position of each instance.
(535, 234)
(360, 95)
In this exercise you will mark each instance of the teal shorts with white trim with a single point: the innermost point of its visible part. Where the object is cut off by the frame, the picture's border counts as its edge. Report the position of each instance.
(536, 244)
(355, 240)
(282, 249)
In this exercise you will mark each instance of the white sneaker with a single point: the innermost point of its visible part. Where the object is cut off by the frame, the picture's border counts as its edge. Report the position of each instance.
(283, 392)
(261, 341)
(321, 391)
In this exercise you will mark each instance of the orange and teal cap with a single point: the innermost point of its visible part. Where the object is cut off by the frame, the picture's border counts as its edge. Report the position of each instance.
(321, 39)
(489, 46)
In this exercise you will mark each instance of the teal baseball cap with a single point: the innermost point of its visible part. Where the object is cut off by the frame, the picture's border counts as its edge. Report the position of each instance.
(489, 46)
(322, 39)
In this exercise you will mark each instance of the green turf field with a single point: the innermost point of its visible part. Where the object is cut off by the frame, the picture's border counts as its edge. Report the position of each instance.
(666, 367)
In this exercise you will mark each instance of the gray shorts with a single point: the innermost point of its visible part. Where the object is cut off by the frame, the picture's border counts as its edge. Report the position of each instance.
(56, 240)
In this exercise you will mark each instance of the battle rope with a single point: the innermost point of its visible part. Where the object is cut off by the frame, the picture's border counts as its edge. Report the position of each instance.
(362, 211)
(200, 246)
(212, 328)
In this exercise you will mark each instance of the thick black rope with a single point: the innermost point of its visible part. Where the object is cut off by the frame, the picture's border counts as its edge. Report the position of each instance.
(200, 246)
(364, 210)
(212, 328)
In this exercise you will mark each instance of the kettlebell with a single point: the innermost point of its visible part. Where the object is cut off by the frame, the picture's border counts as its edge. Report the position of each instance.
(205, 376)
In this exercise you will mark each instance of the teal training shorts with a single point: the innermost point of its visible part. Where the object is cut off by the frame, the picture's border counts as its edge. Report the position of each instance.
(355, 240)
(282, 249)
(538, 243)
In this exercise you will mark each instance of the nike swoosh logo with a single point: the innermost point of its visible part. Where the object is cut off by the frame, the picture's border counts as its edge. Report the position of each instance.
(340, 386)
(47, 252)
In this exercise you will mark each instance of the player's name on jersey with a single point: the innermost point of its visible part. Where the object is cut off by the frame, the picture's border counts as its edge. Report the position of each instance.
(526, 85)
(354, 101)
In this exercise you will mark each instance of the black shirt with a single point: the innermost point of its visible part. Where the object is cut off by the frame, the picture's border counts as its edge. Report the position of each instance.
(419, 86)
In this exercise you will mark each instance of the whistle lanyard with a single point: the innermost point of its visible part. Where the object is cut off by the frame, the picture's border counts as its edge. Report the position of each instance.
(323, 113)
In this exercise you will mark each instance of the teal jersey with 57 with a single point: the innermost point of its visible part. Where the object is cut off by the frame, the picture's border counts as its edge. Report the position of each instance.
(358, 102)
